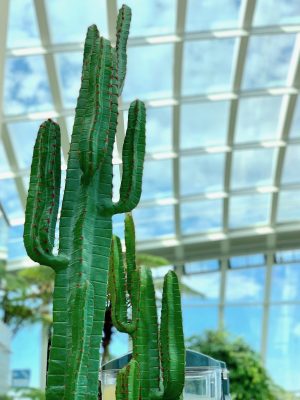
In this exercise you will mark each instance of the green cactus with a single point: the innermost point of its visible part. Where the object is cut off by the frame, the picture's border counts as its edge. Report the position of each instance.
(158, 354)
(85, 228)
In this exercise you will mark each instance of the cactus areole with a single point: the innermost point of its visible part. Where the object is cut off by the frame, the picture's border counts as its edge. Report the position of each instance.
(85, 228)
(157, 368)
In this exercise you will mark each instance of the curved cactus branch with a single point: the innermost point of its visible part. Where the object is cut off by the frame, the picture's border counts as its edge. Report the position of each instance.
(43, 198)
(123, 25)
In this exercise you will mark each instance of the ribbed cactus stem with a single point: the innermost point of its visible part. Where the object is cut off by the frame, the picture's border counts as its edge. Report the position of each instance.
(85, 228)
(159, 353)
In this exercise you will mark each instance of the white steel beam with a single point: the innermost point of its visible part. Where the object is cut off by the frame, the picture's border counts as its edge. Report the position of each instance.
(266, 306)
(248, 7)
(285, 121)
(41, 12)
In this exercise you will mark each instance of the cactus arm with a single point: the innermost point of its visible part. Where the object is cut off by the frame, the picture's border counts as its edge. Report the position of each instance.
(130, 251)
(171, 339)
(94, 139)
(117, 290)
(128, 382)
(133, 160)
(123, 25)
(43, 198)
(82, 322)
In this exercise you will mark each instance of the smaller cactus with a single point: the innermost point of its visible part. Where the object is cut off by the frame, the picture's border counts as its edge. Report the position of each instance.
(156, 353)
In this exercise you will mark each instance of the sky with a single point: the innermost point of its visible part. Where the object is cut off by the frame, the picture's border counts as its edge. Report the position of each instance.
(208, 67)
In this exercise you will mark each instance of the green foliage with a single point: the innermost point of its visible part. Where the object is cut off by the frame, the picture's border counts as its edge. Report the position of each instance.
(25, 296)
(248, 378)
(85, 228)
(155, 353)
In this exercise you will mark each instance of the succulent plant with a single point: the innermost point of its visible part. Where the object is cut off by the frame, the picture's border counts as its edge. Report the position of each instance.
(158, 355)
(85, 228)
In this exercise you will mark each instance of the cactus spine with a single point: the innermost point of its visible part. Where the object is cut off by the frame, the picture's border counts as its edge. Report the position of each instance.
(156, 354)
(85, 228)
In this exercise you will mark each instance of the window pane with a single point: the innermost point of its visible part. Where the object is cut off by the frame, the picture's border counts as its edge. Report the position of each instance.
(69, 67)
(159, 129)
(157, 179)
(201, 66)
(208, 14)
(247, 260)
(196, 320)
(252, 168)
(203, 124)
(286, 282)
(289, 206)
(26, 87)
(203, 173)
(69, 23)
(295, 127)
(10, 199)
(154, 222)
(23, 136)
(245, 322)
(285, 12)
(246, 285)
(263, 52)
(4, 164)
(22, 25)
(201, 216)
(287, 256)
(151, 76)
(156, 17)
(284, 345)
(16, 247)
(290, 173)
(207, 285)
(246, 211)
(257, 119)
(195, 267)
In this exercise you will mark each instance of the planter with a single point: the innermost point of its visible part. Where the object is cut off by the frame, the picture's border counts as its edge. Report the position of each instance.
(205, 377)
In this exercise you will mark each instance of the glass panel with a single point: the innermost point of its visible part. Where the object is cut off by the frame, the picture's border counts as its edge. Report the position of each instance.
(26, 86)
(118, 226)
(26, 352)
(285, 12)
(23, 136)
(263, 52)
(207, 319)
(207, 285)
(283, 351)
(246, 211)
(157, 179)
(9, 198)
(154, 222)
(203, 173)
(252, 168)
(156, 17)
(257, 119)
(295, 127)
(22, 25)
(208, 15)
(69, 24)
(286, 282)
(290, 174)
(4, 164)
(245, 285)
(200, 59)
(287, 256)
(151, 76)
(159, 129)
(69, 69)
(119, 344)
(201, 266)
(247, 261)
(289, 206)
(245, 322)
(203, 124)
(16, 247)
(201, 216)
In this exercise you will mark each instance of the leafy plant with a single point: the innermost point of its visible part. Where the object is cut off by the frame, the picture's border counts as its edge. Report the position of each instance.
(248, 378)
